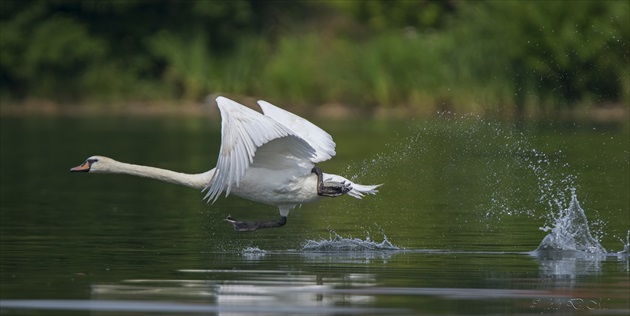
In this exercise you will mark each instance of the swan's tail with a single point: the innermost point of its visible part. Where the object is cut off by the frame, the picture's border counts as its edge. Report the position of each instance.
(357, 191)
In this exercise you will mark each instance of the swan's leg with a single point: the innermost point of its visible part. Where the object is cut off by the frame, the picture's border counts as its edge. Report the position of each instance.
(248, 226)
(330, 191)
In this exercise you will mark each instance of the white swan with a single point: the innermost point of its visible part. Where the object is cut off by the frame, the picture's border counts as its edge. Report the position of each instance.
(267, 158)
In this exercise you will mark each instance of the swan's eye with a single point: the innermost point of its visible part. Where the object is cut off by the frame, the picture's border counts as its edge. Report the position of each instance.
(91, 161)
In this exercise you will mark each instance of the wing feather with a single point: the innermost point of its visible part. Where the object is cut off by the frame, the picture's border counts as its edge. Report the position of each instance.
(321, 141)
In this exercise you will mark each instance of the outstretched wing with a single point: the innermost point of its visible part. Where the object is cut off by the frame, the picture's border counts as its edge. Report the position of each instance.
(315, 136)
(243, 131)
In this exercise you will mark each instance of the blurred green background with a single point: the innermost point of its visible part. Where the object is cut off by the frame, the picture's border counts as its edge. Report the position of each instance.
(382, 57)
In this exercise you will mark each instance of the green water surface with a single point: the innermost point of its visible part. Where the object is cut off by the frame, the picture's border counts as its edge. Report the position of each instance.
(463, 199)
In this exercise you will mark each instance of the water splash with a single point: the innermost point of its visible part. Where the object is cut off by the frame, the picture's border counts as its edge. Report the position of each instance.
(515, 178)
(253, 250)
(570, 231)
(626, 245)
(547, 190)
(555, 199)
(253, 253)
(338, 243)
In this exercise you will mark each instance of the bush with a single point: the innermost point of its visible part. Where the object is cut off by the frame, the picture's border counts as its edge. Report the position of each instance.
(512, 57)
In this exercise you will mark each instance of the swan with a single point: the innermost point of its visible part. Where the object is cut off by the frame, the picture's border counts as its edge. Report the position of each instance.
(268, 158)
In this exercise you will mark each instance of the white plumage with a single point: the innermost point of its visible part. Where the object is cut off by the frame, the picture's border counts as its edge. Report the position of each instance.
(266, 158)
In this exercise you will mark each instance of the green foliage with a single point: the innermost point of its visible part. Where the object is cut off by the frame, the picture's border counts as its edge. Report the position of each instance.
(186, 59)
(53, 52)
(550, 53)
(511, 56)
(388, 14)
(75, 50)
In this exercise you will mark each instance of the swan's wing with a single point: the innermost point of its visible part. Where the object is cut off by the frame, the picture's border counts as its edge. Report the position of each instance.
(243, 131)
(315, 136)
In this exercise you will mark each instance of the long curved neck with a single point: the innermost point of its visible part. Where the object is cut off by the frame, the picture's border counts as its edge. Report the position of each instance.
(196, 181)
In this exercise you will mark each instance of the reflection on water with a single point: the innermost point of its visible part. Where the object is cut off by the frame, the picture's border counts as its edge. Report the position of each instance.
(273, 291)
(568, 264)
(127, 307)
(337, 292)
(332, 285)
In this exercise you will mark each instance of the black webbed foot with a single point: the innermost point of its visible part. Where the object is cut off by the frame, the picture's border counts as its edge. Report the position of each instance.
(248, 226)
(329, 191)
(333, 191)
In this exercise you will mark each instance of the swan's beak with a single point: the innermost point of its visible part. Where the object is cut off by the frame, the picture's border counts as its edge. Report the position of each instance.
(84, 167)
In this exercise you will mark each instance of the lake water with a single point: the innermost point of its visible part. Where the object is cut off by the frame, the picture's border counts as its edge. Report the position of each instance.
(454, 229)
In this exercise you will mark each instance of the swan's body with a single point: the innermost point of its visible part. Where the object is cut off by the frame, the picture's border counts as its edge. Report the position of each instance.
(266, 158)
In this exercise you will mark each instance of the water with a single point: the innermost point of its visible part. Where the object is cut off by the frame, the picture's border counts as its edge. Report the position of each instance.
(571, 231)
(475, 217)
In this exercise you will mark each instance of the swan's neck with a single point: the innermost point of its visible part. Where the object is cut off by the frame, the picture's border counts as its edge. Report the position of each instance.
(196, 181)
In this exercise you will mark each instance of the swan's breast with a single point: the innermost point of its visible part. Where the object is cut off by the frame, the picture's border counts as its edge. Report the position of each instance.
(277, 187)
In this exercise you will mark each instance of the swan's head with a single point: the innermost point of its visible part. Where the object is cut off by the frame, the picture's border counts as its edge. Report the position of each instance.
(95, 164)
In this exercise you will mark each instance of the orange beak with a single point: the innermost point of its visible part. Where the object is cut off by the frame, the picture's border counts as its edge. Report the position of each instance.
(84, 167)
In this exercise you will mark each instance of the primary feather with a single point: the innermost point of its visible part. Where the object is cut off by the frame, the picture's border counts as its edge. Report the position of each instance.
(321, 141)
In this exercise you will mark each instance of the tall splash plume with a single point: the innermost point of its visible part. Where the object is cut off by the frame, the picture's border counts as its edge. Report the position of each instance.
(570, 231)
